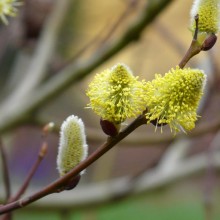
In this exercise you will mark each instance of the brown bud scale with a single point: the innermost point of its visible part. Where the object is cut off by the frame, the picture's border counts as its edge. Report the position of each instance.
(209, 42)
(108, 127)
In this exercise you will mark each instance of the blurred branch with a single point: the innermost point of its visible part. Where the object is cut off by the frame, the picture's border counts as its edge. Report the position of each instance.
(5, 171)
(77, 70)
(174, 154)
(39, 61)
(210, 177)
(166, 34)
(144, 139)
(131, 5)
(102, 193)
(43, 52)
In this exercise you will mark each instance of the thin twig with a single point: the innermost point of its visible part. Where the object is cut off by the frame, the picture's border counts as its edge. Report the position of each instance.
(41, 155)
(5, 171)
(25, 185)
(194, 48)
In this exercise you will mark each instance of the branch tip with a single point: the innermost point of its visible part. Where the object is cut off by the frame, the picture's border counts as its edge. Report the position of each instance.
(197, 28)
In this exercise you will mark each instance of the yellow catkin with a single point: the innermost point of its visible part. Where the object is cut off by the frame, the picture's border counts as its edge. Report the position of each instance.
(115, 94)
(174, 98)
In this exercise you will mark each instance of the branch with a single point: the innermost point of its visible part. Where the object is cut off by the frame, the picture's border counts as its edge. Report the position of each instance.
(97, 39)
(102, 193)
(58, 184)
(144, 139)
(5, 171)
(39, 61)
(194, 48)
(174, 154)
(78, 70)
(41, 155)
(131, 5)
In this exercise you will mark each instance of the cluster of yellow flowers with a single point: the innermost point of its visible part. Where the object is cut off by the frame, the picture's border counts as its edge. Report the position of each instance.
(116, 95)
(173, 99)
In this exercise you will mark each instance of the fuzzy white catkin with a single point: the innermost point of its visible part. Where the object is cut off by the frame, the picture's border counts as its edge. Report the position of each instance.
(72, 146)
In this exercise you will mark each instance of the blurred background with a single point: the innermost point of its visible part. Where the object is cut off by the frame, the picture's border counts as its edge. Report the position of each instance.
(48, 55)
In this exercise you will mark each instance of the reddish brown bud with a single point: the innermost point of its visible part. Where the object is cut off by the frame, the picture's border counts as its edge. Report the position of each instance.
(209, 42)
(109, 128)
(72, 183)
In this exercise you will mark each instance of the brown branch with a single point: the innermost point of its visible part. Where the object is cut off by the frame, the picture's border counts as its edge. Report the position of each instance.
(194, 48)
(41, 155)
(147, 139)
(59, 183)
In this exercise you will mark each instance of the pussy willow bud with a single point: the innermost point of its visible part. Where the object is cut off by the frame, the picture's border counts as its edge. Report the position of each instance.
(72, 148)
(72, 183)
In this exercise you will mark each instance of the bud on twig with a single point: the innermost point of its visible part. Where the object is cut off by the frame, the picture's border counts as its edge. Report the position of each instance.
(109, 128)
(209, 42)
